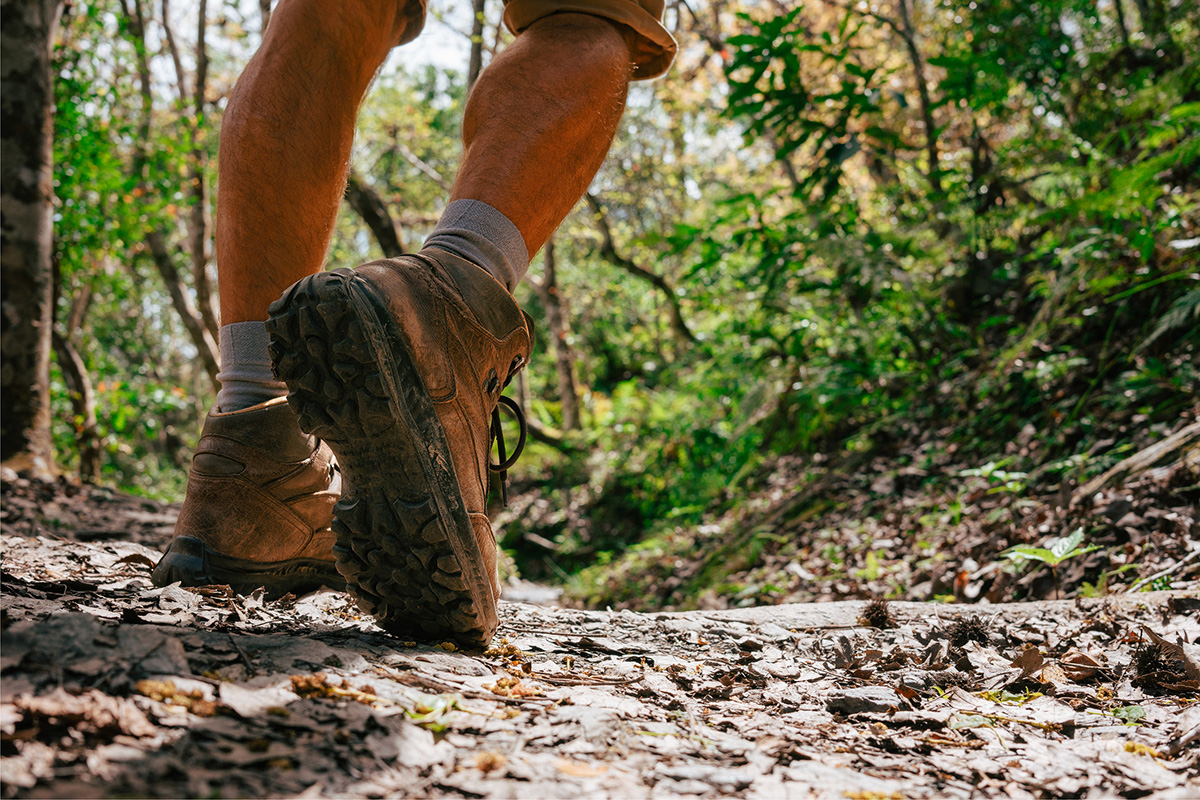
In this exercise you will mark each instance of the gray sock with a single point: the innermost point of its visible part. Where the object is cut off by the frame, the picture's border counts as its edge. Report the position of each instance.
(245, 376)
(482, 235)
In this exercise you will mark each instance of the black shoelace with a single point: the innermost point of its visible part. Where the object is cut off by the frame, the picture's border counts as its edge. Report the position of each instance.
(501, 469)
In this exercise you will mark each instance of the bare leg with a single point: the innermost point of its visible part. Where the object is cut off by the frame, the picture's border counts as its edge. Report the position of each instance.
(285, 145)
(537, 126)
(540, 120)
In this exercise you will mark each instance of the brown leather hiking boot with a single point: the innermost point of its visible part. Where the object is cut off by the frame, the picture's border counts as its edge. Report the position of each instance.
(398, 365)
(258, 508)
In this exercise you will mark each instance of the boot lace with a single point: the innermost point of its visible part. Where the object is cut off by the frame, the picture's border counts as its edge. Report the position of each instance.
(497, 438)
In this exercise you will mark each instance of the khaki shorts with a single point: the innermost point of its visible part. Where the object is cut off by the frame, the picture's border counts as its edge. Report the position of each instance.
(651, 59)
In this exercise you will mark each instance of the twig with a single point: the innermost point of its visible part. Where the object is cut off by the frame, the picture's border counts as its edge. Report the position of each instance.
(1164, 573)
(1046, 726)
(423, 166)
(582, 680)
(245, 658)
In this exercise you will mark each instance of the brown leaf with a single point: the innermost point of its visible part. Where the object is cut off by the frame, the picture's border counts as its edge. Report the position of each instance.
(512, 687)
(1079, 666)
(136, 558)
(1029, 662)
(1053, 673)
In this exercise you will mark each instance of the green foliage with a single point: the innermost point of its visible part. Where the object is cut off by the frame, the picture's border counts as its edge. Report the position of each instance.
(1003, 480)
(149, 390)
(1041, 275)
(1062, 550)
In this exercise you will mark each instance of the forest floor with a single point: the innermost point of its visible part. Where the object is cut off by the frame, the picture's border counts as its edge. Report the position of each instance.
(112, 687)
(923, 521)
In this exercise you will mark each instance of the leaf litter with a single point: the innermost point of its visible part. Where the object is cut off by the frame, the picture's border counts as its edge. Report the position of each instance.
(112, 687)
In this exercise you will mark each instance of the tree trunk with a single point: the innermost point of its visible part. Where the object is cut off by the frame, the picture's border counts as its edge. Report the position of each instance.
(556, 320)
(373, 210)
(1150, 21)
(205, 345)
(199, 222)
(1122, 25)
(156, 241)
(918, 64)
(75, 375)
(475, 65)
(26, 196)
(83, 404)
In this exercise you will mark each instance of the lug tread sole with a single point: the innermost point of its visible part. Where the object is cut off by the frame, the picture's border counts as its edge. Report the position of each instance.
(395, 534)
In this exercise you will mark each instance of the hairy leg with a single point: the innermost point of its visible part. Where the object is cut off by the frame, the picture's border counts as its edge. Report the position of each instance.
(540, 120)
(285, 144)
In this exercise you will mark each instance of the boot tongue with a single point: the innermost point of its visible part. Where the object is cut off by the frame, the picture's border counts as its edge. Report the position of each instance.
(489, 301)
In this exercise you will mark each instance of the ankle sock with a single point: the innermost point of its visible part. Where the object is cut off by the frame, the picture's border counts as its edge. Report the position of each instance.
(475, 231)
(246, 377)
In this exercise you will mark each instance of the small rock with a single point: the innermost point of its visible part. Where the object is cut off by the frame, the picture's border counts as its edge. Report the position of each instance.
(864, 699)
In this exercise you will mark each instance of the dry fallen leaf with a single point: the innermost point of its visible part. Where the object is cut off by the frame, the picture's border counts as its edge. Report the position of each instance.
(1029, 662)
(1188, 656)
(1053, 673)
(1079, 666)
(512, 687)
(578, 769)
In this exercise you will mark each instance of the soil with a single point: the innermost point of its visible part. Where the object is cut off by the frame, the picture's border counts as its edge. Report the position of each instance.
(112, 687)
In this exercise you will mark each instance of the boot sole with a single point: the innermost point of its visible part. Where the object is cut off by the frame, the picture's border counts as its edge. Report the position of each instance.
(404, 540)
(193, 563)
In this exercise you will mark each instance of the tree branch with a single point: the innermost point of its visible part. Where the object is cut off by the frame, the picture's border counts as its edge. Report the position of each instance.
(373, 210)
(904, 30)
(556, 320)
(75, 376)
(423, 166)
(609, 252)
(169, 35)
(204, 342)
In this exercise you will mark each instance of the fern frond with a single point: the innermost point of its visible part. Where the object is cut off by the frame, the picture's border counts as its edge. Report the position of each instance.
(1184, 312)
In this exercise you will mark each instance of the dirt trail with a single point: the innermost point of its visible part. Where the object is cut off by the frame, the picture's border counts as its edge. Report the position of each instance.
(112, 687)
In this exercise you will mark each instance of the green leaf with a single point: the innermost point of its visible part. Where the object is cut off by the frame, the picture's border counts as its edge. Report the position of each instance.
(1063, 547)
(1130, 714)
(1027, 552)
(959, 721)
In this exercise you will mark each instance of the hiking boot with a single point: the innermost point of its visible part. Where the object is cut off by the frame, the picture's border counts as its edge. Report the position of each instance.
(259, 503)
(398, 365)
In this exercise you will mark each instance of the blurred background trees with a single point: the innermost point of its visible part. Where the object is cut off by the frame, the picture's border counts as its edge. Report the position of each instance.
(835, 230)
